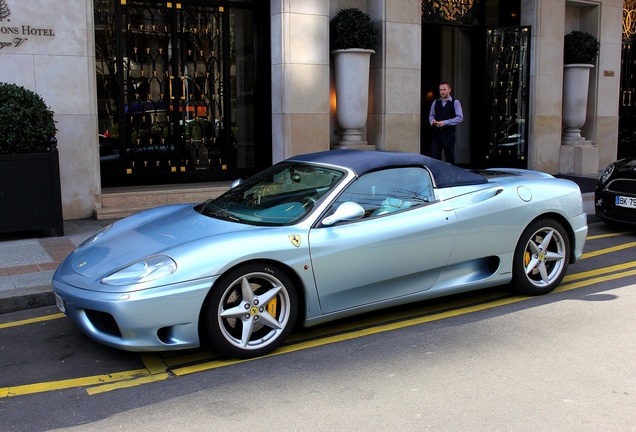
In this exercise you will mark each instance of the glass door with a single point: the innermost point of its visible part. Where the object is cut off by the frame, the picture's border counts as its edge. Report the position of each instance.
(507, 75)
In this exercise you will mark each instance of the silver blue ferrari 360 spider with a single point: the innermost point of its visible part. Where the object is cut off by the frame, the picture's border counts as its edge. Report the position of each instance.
(315, 238)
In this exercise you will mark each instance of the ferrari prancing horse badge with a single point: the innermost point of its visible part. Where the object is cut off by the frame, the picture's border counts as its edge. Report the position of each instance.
(295, 239)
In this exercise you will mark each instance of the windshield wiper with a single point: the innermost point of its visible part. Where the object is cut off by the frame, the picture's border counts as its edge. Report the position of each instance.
(220, 214)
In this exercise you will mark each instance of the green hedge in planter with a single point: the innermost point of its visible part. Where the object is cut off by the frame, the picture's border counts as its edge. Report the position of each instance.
(30, 192)
(26, 123)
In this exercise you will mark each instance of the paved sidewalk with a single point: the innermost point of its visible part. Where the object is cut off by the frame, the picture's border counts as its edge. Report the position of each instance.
(27, 262)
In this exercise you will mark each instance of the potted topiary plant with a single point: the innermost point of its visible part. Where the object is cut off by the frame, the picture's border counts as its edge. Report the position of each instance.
(352, 28)
(580, 50)
(30, 195)
(352, 39)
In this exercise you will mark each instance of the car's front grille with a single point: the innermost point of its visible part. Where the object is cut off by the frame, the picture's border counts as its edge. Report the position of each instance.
(103, 322)
(623, 186)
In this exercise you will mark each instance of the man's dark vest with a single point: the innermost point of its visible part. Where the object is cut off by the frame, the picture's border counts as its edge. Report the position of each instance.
(445, 112)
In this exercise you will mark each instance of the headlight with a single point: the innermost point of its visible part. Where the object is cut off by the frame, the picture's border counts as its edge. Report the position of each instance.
(150, 269)
(605, 175)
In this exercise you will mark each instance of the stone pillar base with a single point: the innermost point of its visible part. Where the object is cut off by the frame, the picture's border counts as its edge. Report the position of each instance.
(579, 159)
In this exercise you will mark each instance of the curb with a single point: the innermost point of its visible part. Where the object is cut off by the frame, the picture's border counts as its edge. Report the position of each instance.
(30, 298)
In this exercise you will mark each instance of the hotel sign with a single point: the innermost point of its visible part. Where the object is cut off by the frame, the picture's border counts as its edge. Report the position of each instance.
(15, 34)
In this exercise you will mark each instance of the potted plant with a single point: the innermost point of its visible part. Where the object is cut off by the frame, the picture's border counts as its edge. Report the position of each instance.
(580, 47)
(30, 195)
(352, 39)
(352, 28)
(580, 50)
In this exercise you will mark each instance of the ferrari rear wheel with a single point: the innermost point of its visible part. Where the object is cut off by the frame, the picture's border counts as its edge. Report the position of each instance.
(541, 258)
(251, 310)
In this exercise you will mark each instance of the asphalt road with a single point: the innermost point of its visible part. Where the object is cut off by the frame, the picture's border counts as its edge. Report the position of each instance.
(486, 361)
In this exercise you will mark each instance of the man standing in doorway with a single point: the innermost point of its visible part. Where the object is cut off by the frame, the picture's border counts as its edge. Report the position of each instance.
(445, 114)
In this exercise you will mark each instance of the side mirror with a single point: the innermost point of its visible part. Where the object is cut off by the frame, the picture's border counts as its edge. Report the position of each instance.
(235, 183)
(347, 211)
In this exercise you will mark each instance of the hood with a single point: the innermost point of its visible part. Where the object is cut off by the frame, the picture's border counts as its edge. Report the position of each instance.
(147, 234)
(625, 168)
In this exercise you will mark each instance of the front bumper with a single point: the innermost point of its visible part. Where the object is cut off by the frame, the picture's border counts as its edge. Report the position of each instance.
(156, 319)
(607, 211)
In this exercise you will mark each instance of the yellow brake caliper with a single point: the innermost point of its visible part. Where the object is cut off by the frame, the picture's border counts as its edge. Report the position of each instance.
(272, 306)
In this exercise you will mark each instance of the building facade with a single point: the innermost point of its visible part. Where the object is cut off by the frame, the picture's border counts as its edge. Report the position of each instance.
(149, 92)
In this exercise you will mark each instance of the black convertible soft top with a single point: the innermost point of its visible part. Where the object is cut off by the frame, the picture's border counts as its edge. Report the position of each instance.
(363, 161)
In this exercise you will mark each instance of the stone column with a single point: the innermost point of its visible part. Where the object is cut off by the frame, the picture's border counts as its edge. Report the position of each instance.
(300, 77)
(547, 21)
(395, 96)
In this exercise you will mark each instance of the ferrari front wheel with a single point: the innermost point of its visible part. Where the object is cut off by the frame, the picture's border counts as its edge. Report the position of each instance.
(250, 310)
(541, 257)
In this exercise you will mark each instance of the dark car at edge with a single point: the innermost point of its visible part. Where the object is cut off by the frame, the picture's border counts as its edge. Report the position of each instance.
(615, 194)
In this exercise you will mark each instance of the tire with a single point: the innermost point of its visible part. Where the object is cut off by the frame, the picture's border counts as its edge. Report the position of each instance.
(541, 257)
(250, 310)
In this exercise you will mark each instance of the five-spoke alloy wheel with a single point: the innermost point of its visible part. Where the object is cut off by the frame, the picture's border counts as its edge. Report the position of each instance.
(250, 310)
(541, 257)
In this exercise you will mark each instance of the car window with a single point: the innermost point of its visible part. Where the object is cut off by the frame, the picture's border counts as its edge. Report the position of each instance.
(280, 195)
(390, 190)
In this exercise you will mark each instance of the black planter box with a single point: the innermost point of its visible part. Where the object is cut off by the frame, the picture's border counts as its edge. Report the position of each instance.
(30, 193)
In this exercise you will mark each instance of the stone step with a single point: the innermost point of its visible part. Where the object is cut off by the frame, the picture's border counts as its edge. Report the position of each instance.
(120, 202)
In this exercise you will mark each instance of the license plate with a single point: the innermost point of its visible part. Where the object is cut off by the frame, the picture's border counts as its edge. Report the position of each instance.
(628, 202)
(60, 303)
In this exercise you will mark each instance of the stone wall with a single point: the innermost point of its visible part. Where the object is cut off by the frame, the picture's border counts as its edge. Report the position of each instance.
(300, 77)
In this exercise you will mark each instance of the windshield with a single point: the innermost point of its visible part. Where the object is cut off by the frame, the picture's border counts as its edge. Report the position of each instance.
(280, 195)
